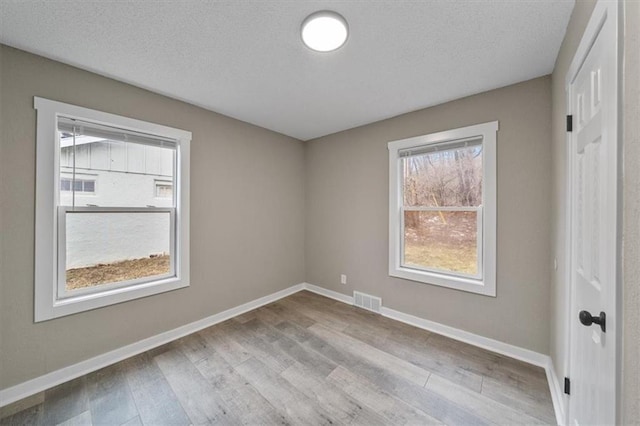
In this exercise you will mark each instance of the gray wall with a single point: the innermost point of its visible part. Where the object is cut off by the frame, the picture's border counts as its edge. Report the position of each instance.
(631, 224)
(247, 218)
(347, 215)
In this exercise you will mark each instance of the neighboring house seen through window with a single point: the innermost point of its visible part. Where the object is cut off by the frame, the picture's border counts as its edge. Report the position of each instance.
(119, 243)
(443, 208)
(77, 185)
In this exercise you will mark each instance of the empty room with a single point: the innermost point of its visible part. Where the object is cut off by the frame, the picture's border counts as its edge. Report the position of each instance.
(319, 212)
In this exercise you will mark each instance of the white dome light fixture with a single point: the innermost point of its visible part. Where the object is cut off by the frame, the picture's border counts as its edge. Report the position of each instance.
(324, 31)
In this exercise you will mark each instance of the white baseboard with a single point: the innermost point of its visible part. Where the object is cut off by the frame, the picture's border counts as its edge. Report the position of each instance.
(49, 380)
(557, 393)
(512, 351)
(492, 345)
(329, 293)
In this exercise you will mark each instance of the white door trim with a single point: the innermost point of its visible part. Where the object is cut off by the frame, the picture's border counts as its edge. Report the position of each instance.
(602, 10)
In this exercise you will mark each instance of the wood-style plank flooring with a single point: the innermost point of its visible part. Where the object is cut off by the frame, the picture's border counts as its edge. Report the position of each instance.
(304, 359)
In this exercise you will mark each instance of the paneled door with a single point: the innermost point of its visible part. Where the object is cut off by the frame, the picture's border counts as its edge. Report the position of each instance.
(593, 151)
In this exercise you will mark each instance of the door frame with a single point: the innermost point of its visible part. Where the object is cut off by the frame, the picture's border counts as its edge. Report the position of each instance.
(602, 9)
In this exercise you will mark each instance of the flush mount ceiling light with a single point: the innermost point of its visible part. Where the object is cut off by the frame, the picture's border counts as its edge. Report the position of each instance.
(324, 31)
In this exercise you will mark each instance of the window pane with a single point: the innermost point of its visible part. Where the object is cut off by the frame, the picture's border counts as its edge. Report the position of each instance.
(164, 190)
(89, 186)
(65, 185)
(113, 247)
(127, 170)
(443, 241)
(443, 178)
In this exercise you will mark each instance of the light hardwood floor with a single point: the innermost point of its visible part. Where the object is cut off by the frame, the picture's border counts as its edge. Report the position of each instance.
(305, 359)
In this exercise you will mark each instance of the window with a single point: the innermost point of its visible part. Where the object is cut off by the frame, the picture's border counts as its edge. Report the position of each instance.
(77, 185)
(442, 214)
(96, 249)
(164, 189)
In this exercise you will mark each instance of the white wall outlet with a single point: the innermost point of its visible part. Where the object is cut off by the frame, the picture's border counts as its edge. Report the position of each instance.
(343, 279)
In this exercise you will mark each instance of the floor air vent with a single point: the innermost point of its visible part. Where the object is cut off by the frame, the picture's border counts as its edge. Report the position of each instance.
(366, 301)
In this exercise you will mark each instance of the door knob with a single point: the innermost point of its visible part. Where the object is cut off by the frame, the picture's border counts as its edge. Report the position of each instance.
(587, 319)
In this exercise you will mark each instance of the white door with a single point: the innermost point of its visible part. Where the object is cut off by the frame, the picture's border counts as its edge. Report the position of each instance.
(593, 150)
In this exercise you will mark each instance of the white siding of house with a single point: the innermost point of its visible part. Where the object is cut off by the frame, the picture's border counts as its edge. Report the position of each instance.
(94, 238)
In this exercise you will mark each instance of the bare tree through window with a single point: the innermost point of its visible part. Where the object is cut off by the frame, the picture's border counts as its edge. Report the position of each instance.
(442, 195)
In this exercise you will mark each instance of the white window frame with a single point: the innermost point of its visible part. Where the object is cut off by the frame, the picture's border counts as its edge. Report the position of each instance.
(485, 282)
(50, 302)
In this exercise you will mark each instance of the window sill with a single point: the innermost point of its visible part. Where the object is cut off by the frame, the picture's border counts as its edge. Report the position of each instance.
(89, 301)
(483, 287)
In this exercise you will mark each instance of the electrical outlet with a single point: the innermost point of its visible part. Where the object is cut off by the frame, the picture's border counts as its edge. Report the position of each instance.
(343, 279)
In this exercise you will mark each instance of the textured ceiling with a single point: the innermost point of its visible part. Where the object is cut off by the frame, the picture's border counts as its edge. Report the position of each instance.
(245, 59)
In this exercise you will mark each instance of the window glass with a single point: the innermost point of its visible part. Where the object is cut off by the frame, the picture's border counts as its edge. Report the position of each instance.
(126, 166)
(114, 235)
(447, 177)
(106, 248)
(442, 240)
(442, 195)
